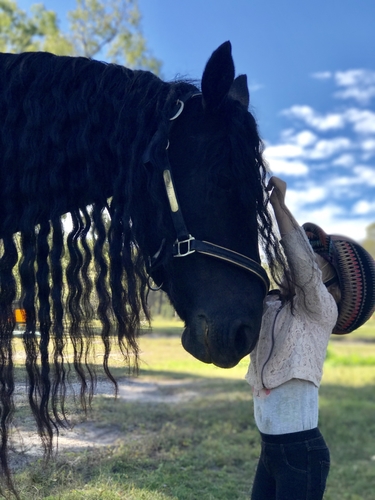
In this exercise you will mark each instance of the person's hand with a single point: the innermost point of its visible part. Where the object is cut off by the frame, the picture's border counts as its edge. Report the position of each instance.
(278, 187)
(284, 217)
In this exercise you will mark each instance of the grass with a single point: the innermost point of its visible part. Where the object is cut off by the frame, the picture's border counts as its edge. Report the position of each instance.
(165, 327)
(207, 448)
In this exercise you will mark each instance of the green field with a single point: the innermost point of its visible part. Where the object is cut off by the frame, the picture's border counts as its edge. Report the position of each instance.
(206, 447)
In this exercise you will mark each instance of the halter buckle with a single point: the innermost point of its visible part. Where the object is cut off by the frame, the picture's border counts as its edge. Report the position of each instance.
(182, 248)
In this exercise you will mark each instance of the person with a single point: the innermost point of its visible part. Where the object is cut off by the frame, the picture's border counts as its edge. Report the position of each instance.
(329, 286)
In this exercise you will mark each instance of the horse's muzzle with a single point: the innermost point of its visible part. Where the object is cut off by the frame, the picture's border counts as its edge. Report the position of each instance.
(223, 344)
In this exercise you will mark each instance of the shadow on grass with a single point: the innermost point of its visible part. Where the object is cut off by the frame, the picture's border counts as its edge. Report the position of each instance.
(207, 447)
(169, 451)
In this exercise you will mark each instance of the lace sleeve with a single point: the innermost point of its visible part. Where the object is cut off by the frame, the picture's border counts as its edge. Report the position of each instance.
(305, 272)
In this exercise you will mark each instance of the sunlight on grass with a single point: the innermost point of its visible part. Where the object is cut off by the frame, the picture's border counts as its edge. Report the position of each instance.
(159, 353)
(167, 354)
(207, 447)
(160, 322)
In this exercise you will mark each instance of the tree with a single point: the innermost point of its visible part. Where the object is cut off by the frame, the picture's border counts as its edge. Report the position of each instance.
(159, 304)
(110, 29)
(20, 32)
(369, 241)
(113, 26)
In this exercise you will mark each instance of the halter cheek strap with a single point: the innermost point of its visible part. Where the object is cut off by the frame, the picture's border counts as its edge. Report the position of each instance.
(185, 243)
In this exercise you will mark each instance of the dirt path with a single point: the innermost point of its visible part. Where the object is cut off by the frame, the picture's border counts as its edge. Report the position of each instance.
(85, 435)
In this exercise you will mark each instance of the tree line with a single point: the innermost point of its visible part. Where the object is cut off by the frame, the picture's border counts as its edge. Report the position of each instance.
(109, 29)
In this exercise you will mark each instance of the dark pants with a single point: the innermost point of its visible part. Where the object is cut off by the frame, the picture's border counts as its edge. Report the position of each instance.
(292, 467)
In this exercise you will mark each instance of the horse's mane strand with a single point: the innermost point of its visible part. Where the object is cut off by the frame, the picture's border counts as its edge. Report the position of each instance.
(72, 135)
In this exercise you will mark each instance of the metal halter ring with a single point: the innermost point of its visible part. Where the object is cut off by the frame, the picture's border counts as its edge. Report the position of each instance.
(181, 104)
(152, 285)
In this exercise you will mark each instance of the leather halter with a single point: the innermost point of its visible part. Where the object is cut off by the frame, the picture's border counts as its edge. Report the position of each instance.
(185, 243)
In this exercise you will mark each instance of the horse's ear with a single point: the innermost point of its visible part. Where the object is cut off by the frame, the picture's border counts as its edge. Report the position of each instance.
(218, 77)
(239, 91)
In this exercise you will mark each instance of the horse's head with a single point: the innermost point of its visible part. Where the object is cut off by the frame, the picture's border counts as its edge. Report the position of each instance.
(214, 157)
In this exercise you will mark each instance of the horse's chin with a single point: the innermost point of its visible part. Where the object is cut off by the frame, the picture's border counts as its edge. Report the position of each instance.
(196, 349)
(201, 340)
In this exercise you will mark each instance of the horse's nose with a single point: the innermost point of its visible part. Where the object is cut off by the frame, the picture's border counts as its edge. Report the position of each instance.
(229, 345)
(222, 343)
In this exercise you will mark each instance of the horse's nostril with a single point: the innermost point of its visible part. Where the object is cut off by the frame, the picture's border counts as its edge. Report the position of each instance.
(242, 340)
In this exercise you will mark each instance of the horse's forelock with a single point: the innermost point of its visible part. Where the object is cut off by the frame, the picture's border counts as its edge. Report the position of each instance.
(251, 171)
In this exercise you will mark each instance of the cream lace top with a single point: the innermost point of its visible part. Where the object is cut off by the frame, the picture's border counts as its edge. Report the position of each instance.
(294, 345)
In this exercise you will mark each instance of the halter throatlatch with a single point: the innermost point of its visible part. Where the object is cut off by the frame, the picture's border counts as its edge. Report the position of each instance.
(185, 243)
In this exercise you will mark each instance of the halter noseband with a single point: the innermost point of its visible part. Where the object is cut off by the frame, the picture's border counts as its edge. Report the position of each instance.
(185, 243)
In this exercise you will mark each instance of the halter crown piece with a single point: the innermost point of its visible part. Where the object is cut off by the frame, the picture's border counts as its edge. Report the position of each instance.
(355, 269)
(185, 244)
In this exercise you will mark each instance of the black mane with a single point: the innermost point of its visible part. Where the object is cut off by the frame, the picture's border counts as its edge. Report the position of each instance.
(121, 111)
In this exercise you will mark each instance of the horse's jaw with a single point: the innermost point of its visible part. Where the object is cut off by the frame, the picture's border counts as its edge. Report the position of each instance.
(223, 343)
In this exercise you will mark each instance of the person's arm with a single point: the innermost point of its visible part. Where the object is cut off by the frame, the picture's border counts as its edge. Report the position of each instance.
(298, 251)
(284, 218)
(305, 271)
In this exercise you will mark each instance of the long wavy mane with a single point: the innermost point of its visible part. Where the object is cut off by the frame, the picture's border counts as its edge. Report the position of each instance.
(73, 135)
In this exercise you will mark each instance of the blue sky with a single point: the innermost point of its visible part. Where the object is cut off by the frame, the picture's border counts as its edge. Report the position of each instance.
(311, 72)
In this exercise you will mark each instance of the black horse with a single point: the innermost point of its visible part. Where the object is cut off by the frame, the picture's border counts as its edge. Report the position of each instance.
(161, 180)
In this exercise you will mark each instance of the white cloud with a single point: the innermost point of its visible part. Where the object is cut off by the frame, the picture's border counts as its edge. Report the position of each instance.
(369, 145)
(345, 160)
(326, 148)
(330, 121)
(354, 77)
(282, 159)
(279, 166)
(322, 75)
(283, 151)
(311, 194)
(341, 180)
(364, 207)
(358, 84)
(325, 215)
(368, 148)
(355, 228)
(314, 150)
(366, 175)
(302, 139)
(363, 120)
(361, 95)
(305, 138)
(333, 220)
(298, 148)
